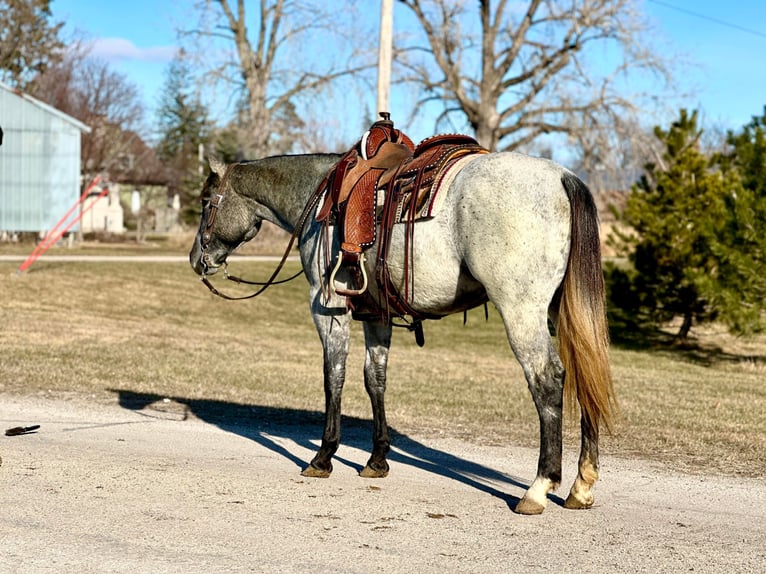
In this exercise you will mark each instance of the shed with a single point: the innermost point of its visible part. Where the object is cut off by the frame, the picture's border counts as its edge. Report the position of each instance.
(39, 162)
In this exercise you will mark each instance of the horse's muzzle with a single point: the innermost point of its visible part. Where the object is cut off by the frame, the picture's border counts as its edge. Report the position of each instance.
(207, 267)
(200, 261)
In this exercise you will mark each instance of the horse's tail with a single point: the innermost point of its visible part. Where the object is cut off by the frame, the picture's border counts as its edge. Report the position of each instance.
(582, 332)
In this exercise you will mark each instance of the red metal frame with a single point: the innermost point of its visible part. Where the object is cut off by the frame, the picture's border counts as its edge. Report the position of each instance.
(57, 231)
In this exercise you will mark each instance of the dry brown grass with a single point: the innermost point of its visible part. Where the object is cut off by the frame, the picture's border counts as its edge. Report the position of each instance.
(91, 329)
(271, 241)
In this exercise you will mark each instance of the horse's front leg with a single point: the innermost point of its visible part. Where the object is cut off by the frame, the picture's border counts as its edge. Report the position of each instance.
(333, 330)
(377, 338)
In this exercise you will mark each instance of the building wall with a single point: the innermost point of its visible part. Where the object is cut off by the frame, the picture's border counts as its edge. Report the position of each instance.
(104, 214)
(39, 163)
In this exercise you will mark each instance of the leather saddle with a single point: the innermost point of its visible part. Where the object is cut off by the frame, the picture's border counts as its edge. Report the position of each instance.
(386, 161)
(351, 192)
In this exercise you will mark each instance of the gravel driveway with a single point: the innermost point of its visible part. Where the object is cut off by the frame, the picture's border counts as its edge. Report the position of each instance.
(142, 486)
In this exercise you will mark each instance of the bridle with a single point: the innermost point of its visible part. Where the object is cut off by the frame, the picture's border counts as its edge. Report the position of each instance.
(207, 235)
(207, 232)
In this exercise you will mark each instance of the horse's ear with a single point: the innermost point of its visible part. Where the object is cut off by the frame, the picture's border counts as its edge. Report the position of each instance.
(217, 166)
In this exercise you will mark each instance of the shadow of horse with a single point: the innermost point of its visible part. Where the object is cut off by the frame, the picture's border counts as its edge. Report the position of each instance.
(260, 423)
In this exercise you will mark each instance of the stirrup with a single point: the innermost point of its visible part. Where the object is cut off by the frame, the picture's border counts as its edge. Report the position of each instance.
(349, 292)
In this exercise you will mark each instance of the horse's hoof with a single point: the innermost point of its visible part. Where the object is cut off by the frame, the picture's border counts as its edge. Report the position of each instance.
(575, 503)
(314, 472)
(528, 507)
(369, 472)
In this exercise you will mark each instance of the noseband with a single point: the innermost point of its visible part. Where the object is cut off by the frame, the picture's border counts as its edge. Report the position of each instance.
(207, 232)
(207, 235)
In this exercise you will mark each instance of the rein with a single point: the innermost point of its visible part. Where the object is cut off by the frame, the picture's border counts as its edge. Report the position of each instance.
(207, 236)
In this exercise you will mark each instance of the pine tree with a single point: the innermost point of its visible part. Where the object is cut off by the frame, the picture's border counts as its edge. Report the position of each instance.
(689, 229)
(749, 154)
(745, 263)
(184, 126)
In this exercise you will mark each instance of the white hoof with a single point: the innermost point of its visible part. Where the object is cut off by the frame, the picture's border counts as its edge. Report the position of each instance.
(536, 498)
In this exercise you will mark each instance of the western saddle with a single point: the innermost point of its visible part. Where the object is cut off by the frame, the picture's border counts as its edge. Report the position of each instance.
(384, 160)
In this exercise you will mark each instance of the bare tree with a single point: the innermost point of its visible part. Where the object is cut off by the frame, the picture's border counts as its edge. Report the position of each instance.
(516, 71)
(87, 89)
(613, 152)
(270, 82)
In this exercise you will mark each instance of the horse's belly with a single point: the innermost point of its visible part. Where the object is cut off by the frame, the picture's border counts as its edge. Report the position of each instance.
(438, 282)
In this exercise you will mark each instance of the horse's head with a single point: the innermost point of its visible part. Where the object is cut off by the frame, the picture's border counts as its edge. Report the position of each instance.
(228, 220)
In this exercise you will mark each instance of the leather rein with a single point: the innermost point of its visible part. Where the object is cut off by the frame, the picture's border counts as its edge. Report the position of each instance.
(207, 236)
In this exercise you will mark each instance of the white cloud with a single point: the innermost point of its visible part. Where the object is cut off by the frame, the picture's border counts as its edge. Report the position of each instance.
(123, 49)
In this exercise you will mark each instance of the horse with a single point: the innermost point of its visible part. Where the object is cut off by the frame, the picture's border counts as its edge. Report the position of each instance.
(518, 231)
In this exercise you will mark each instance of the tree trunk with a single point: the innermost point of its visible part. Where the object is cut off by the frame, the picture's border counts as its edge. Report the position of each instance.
(686, 326)
(487, 135)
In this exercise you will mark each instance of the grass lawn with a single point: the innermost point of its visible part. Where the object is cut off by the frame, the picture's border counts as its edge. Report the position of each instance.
(96, 329)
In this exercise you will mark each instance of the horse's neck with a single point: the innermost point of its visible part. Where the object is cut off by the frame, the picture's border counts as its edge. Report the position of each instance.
(282, 185)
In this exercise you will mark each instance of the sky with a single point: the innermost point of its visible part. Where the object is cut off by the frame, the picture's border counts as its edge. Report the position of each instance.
(724, 44)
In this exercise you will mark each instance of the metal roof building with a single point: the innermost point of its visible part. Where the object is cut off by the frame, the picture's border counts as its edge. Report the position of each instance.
(39, 162)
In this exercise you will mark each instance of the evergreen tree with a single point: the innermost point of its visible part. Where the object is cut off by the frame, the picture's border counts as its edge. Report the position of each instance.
(689, 228)
(228, 145)
(746, 228)
(748, 154)
(184, 126)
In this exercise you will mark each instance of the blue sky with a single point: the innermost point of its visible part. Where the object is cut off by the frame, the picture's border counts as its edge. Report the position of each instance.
(727, 48)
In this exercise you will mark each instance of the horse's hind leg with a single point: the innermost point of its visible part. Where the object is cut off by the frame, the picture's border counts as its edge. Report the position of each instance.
(528, 334)
(334, 332)
(580, 496)
(377, 342)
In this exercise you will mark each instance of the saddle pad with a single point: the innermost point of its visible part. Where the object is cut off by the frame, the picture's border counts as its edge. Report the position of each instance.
(430, 199)
(443, 182)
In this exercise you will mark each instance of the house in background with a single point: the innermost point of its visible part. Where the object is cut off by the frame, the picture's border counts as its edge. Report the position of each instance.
(106, 214)
(39, 162)
(143, 182)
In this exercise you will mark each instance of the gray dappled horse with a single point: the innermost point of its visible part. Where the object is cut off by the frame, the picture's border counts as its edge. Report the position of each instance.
(519, 231)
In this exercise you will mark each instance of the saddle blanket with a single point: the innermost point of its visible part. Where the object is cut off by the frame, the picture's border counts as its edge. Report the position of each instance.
(442, 184)
(430, 199)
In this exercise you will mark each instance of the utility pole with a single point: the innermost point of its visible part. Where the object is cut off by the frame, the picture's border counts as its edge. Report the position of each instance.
(384, 54)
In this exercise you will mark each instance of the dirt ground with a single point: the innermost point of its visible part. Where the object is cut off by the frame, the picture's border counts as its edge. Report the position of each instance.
(137, 485)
